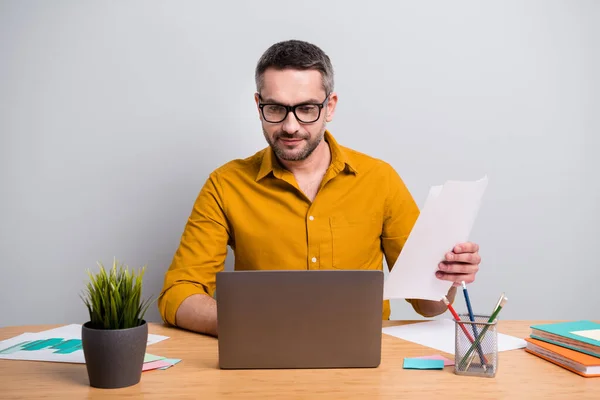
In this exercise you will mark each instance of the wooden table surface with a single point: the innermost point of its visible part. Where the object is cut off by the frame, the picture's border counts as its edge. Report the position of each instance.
(520, 375)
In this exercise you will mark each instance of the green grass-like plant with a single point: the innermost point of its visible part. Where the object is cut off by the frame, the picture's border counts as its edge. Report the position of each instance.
(113, 297)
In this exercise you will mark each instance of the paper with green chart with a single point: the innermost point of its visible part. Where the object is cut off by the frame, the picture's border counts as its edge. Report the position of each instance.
(63, 344)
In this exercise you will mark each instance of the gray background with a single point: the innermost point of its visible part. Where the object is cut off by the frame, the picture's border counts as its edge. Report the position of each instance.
(112, 114)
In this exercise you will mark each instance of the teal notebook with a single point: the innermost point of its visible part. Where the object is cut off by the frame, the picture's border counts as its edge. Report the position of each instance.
(582, 336)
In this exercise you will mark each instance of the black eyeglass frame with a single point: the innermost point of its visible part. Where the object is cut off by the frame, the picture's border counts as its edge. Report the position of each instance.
(292, 109)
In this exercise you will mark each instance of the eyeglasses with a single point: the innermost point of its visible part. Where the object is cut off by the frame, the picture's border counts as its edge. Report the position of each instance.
(305, 112)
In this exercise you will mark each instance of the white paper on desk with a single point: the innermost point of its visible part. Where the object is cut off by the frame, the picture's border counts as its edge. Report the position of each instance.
(439, 335)
(72, 331)
(445, 220)
(38, 355)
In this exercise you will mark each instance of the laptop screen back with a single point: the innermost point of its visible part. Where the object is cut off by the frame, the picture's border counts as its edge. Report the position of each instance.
(299, 319)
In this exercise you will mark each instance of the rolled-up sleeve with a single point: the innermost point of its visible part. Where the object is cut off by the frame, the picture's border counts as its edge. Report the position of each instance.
(201, 253)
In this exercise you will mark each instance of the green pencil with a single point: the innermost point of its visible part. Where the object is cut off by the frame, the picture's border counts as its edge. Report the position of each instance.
(501, 304)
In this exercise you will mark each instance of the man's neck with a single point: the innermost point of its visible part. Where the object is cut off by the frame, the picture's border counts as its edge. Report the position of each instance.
(316, 163)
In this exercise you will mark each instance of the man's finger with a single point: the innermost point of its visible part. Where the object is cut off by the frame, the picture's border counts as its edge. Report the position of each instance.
(466, 247)
(458, 268)
(456, 278)
(470, 258)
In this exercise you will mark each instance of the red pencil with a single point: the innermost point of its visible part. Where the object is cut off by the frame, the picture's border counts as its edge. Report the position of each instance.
(457, 318)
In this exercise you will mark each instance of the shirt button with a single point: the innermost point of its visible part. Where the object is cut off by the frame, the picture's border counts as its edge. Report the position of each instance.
(314, 259)
(311, 218)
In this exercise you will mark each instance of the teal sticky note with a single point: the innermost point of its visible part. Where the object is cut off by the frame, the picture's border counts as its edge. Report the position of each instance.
(171, 361)
(421, 363)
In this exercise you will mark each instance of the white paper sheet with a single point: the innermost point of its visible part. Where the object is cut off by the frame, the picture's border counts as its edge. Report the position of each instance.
(439, 335)
(445, 220)
(73, 331)
(590, 334)
(66, 332)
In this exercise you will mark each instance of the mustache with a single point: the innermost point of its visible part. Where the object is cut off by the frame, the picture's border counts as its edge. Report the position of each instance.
(284, 135)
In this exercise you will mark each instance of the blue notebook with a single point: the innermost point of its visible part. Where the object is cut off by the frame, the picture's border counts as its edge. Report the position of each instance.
(582, 336)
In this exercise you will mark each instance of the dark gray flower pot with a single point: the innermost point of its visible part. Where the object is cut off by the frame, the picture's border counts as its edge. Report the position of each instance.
(114, 357)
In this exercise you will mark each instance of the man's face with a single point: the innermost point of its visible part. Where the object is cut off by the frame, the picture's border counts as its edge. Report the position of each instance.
(290, 139)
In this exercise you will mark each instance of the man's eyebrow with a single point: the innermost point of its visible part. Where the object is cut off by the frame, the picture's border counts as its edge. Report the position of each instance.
(273, 101)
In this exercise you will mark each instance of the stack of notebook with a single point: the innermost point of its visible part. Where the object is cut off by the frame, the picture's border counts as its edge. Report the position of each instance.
(572, 345)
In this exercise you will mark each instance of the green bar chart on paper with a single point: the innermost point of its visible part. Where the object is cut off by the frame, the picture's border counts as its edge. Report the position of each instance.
(62, 344)
(57, 345)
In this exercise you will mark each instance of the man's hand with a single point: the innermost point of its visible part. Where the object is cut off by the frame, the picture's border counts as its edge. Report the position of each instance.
(461, 264)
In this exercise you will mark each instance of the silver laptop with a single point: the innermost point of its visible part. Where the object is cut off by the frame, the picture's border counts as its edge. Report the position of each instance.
(299, 319)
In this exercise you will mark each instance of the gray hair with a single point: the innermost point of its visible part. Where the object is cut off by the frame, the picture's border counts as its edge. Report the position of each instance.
(295, 54)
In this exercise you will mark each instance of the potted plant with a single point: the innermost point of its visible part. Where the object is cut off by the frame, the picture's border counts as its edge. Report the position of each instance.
(114, 339)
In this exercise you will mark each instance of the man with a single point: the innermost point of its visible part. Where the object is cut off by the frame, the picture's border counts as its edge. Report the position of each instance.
(304, 202)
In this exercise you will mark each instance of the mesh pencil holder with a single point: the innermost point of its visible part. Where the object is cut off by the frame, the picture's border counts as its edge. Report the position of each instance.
(476, 346)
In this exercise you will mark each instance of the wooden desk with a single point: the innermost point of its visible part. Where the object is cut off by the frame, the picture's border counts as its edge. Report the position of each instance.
(520, 375)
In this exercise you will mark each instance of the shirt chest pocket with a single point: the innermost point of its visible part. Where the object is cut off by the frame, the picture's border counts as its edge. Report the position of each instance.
(356, 241)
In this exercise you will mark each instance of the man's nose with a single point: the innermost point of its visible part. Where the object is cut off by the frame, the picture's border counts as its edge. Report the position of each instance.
(290, 123)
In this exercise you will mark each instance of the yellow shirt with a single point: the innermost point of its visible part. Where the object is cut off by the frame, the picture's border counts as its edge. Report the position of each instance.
(361, 213)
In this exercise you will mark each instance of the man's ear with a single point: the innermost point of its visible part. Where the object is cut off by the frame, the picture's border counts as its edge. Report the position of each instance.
(330, 108)
(257, 101)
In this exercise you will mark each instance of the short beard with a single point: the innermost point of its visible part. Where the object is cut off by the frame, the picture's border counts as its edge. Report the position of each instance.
(281, 153)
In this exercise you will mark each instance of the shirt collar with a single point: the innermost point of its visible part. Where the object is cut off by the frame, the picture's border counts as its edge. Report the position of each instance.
(339, 159)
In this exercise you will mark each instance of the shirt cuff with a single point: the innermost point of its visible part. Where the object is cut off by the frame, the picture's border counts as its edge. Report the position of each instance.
(172, 299)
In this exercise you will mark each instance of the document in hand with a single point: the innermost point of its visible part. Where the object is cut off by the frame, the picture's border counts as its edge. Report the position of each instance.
(445, 220)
